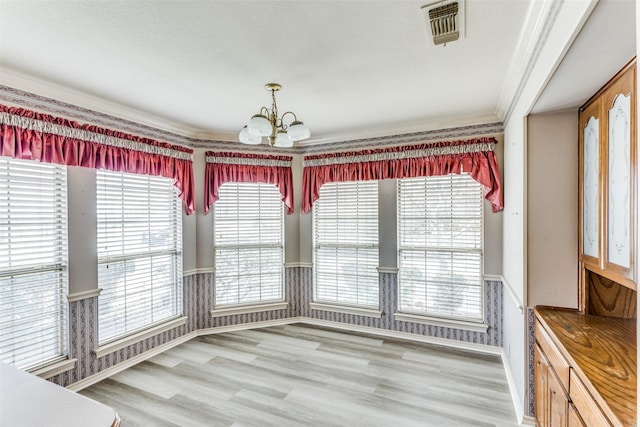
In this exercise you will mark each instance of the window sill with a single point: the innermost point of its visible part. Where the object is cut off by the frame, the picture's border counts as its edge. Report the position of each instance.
(446, 323)
(54, 368)
(346, 309)
(245, 309)
(109, 348)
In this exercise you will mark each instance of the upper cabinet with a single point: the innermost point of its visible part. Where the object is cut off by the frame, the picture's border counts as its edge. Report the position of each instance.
(608, 178)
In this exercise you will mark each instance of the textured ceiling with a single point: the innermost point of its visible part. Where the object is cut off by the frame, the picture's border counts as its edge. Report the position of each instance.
(348, 68)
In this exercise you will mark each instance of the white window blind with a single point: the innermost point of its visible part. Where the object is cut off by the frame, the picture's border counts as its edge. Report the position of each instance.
(345, 220)
(440, 227)
(139, 253)
(33, 263)
(248, 244)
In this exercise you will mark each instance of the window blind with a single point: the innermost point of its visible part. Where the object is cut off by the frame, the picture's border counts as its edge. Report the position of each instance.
(440, 227)
(248, 244)
(33, 262)
(345, 221)
(139, 253)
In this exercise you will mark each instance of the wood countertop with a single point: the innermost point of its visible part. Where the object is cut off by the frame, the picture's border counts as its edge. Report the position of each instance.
(602, 351)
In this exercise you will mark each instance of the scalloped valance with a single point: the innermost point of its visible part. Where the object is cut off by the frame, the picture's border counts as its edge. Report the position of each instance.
(243, 167)
(475, 156)
(29, 135)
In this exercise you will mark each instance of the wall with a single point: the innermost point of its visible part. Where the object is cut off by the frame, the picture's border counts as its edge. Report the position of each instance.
(552, 209)
(199, 274)
(554, 29)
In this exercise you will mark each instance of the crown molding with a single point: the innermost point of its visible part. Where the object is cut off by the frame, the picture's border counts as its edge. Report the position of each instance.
(19, 90)
(87, 102)
(540, 18)
(551, 27)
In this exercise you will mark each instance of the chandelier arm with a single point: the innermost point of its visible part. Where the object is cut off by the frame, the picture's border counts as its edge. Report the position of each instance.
(282, 125)
(278, 135)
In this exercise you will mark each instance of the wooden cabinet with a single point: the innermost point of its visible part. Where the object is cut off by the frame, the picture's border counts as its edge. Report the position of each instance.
(574, 418)
(585, 369)
(585, 361)
(551, 382)
(558, 402)
(541, 367)
(607, 135)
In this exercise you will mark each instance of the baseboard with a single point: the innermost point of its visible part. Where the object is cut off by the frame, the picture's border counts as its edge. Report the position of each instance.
(480, 348)
(528, 421)
(106, 373)
(515, 398)
(250, 325)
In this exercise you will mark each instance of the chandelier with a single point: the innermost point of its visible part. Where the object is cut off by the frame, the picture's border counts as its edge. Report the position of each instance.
(267, 123)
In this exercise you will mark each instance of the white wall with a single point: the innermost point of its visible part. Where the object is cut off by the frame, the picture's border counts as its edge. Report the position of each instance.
(533, 73)
(204, 223)
(552, 209)
(83, 232)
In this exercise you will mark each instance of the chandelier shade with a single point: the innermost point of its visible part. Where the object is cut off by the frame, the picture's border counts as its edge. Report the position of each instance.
(279, 132)
(298, 131)
(284, 139)
(259, 125)
(246, 137)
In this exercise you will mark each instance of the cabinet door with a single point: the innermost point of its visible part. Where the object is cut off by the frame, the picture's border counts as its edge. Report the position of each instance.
(558, 402)
(590, 179)
(541, 367)
(574, 418)
(620, 176)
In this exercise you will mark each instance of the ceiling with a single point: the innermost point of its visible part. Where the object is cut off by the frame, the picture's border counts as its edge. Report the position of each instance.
(604, 45)
(349, 69)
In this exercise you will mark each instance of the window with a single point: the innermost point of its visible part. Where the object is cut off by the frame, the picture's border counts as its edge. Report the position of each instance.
(139, 253)
(248, 244)
(346, 244)
(33, 263)
(440, 228)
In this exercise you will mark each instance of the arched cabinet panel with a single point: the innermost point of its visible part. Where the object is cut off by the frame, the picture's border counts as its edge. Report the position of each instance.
(608, 183)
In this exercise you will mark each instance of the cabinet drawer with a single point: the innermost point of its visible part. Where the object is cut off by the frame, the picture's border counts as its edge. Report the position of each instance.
(588, 409)
(555, 358)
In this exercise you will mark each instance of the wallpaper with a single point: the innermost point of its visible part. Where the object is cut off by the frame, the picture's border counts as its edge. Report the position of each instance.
(389, 305)
(198, 298)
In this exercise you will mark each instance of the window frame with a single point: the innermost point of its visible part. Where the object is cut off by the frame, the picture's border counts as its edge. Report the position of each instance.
(241, 307)
(336, 305)
(439, 317)
(59, 265)
(175, 287)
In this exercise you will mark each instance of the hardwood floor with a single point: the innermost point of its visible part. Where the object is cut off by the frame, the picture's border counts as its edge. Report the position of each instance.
(301, 375)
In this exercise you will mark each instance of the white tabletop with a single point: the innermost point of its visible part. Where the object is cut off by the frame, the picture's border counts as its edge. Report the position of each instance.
(29, 401)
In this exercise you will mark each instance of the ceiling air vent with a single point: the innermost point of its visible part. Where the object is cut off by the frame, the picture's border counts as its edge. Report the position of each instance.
(445, 20)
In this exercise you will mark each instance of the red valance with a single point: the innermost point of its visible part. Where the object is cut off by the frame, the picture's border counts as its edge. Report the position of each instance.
(475, 157)
(243, 167)
(30, 135)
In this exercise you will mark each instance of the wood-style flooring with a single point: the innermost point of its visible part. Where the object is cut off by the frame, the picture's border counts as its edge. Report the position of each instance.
(298, 375)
